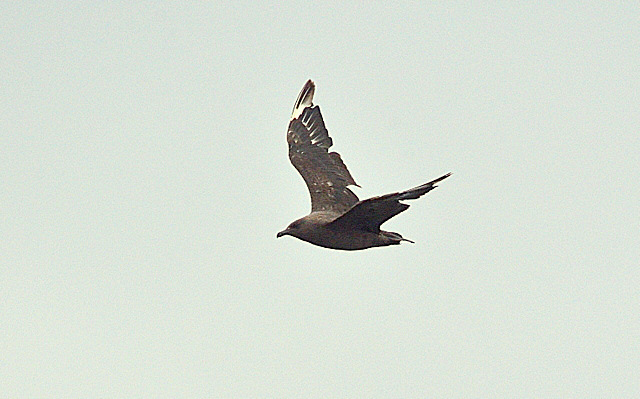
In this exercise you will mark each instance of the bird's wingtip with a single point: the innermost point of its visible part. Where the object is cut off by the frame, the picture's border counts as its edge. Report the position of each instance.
(439, 179)
(305, 99)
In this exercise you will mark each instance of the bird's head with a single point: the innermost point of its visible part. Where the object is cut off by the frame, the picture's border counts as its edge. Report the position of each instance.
(293, 229)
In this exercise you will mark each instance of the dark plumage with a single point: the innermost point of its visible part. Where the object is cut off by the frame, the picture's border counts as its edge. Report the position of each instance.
(338, 220)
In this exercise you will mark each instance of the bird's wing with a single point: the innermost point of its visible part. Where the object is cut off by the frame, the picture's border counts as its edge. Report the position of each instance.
(369, 214)
(324, 172)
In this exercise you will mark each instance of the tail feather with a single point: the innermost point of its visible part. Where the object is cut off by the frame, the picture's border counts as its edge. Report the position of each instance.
(395, 237)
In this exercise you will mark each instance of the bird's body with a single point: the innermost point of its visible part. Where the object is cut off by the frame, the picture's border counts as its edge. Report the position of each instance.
(338, 220)
(317, 228)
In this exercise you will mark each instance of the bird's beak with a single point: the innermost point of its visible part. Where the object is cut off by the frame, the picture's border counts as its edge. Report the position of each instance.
(282, 233)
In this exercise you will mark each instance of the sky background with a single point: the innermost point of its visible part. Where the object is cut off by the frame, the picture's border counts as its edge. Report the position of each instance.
(144, 176)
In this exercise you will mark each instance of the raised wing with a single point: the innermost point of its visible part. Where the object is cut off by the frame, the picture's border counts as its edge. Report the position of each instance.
(324, 172)
(371, 213)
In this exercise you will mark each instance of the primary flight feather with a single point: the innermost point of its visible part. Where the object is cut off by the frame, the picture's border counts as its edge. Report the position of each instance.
(338, 220)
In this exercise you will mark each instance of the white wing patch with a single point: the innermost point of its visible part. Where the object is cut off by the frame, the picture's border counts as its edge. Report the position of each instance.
(305, 99)
(298, 111)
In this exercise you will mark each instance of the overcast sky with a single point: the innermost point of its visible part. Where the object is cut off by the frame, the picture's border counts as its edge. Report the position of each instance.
(144, 176)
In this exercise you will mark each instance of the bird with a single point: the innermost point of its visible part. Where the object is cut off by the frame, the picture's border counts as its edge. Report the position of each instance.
(338, 219)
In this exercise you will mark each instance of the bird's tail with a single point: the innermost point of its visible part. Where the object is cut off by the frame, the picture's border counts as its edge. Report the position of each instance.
(394, 238)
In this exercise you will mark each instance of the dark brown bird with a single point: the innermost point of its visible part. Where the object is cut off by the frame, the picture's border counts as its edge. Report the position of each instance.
(338, 220)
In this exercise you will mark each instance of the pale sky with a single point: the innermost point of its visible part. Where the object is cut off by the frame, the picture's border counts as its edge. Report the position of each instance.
(144, 177)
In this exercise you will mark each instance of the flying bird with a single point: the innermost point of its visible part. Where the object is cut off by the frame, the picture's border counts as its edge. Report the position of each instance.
(338, 220)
